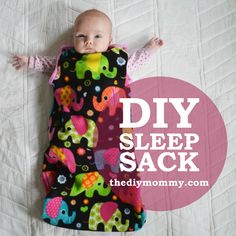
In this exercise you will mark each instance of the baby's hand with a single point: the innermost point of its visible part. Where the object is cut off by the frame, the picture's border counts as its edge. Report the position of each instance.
(154, 44)
(19, 62)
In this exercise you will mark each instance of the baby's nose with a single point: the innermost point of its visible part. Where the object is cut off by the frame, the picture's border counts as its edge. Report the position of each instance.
(88, 41)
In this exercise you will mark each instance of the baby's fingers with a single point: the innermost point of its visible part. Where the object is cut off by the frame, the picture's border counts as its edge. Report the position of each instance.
(16, 58)
(14, 62)
(158, 41)
(17, 67)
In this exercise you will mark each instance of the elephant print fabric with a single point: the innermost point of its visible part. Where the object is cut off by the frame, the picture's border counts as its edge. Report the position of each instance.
(83, 130)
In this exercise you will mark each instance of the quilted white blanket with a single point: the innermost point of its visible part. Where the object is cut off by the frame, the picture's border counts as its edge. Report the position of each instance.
(200, 48)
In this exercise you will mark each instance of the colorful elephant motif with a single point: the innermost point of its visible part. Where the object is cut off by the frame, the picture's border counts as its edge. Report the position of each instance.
(56, 209)
(110, 156)
(89, 182)
(63, 155)
(108, 214)
(97, 64)
(66, 97)
(110, 98)
(77, 128)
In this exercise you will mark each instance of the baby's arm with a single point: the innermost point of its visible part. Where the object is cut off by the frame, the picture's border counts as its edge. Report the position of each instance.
(38, 63)
(143, 55)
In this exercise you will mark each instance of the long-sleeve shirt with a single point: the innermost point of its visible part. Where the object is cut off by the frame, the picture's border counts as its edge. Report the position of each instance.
(135, 62)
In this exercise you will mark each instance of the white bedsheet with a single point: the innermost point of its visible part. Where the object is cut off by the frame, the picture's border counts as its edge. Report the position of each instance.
(200, 47)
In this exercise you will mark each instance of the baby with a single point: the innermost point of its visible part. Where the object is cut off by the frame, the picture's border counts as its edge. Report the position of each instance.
(88, 80)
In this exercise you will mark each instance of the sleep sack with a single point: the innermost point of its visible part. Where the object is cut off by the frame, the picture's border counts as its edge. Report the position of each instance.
(84, 131)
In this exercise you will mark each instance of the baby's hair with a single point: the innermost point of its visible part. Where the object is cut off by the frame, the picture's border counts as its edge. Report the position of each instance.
(92, 12)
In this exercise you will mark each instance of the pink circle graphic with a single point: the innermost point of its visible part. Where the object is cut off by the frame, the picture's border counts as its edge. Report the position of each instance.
(173, 146)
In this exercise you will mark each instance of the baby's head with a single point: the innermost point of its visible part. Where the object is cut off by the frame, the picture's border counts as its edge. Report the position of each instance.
(92, 32)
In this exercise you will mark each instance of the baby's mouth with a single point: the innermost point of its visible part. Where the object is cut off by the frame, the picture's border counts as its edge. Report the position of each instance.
(90, 50)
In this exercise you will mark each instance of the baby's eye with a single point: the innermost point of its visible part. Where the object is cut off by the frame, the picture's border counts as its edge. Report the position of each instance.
(80, 36)
(98, 36)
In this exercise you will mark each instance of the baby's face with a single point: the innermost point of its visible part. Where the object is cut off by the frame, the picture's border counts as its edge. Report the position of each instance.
(92, 33)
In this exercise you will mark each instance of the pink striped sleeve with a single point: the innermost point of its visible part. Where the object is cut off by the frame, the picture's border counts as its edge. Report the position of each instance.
(42, 63)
